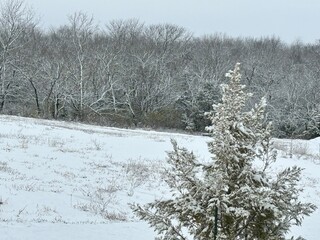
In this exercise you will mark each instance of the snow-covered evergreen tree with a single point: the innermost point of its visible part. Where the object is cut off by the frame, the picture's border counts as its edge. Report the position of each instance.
(233, 196)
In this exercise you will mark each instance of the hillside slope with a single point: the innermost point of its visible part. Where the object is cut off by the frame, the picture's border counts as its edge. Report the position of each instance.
(64, 180)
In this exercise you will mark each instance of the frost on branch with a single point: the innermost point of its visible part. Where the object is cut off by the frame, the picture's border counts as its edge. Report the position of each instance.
(232, 197)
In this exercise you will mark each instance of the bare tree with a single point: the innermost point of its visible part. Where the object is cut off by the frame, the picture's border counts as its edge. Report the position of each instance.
(16, 20)
(53, 73)
(81, 30)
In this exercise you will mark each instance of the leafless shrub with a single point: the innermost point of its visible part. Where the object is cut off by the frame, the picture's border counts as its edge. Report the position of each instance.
(97, 144)
(291, 148)
(30, 187)
(100, 201)
(56, 143)
(5, 168)
(281, 146)
(24, 141)
(300, 149)
(139, 172)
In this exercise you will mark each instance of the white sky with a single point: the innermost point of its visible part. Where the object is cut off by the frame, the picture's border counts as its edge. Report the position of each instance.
(291, 20)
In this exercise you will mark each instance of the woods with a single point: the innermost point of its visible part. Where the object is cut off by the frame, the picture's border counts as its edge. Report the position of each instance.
(129, 74)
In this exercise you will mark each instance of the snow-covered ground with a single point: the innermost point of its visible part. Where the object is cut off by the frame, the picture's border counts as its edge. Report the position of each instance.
(73, 181)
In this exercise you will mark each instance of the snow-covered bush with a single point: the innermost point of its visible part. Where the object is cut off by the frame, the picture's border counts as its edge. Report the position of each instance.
(233, 196)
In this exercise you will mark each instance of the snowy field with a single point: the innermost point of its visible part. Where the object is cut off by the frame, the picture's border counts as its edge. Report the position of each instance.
(73, 181)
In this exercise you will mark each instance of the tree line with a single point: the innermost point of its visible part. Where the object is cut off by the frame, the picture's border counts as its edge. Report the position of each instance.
(129, 74)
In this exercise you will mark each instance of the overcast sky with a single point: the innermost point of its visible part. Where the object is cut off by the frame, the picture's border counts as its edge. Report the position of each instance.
(291, 20)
